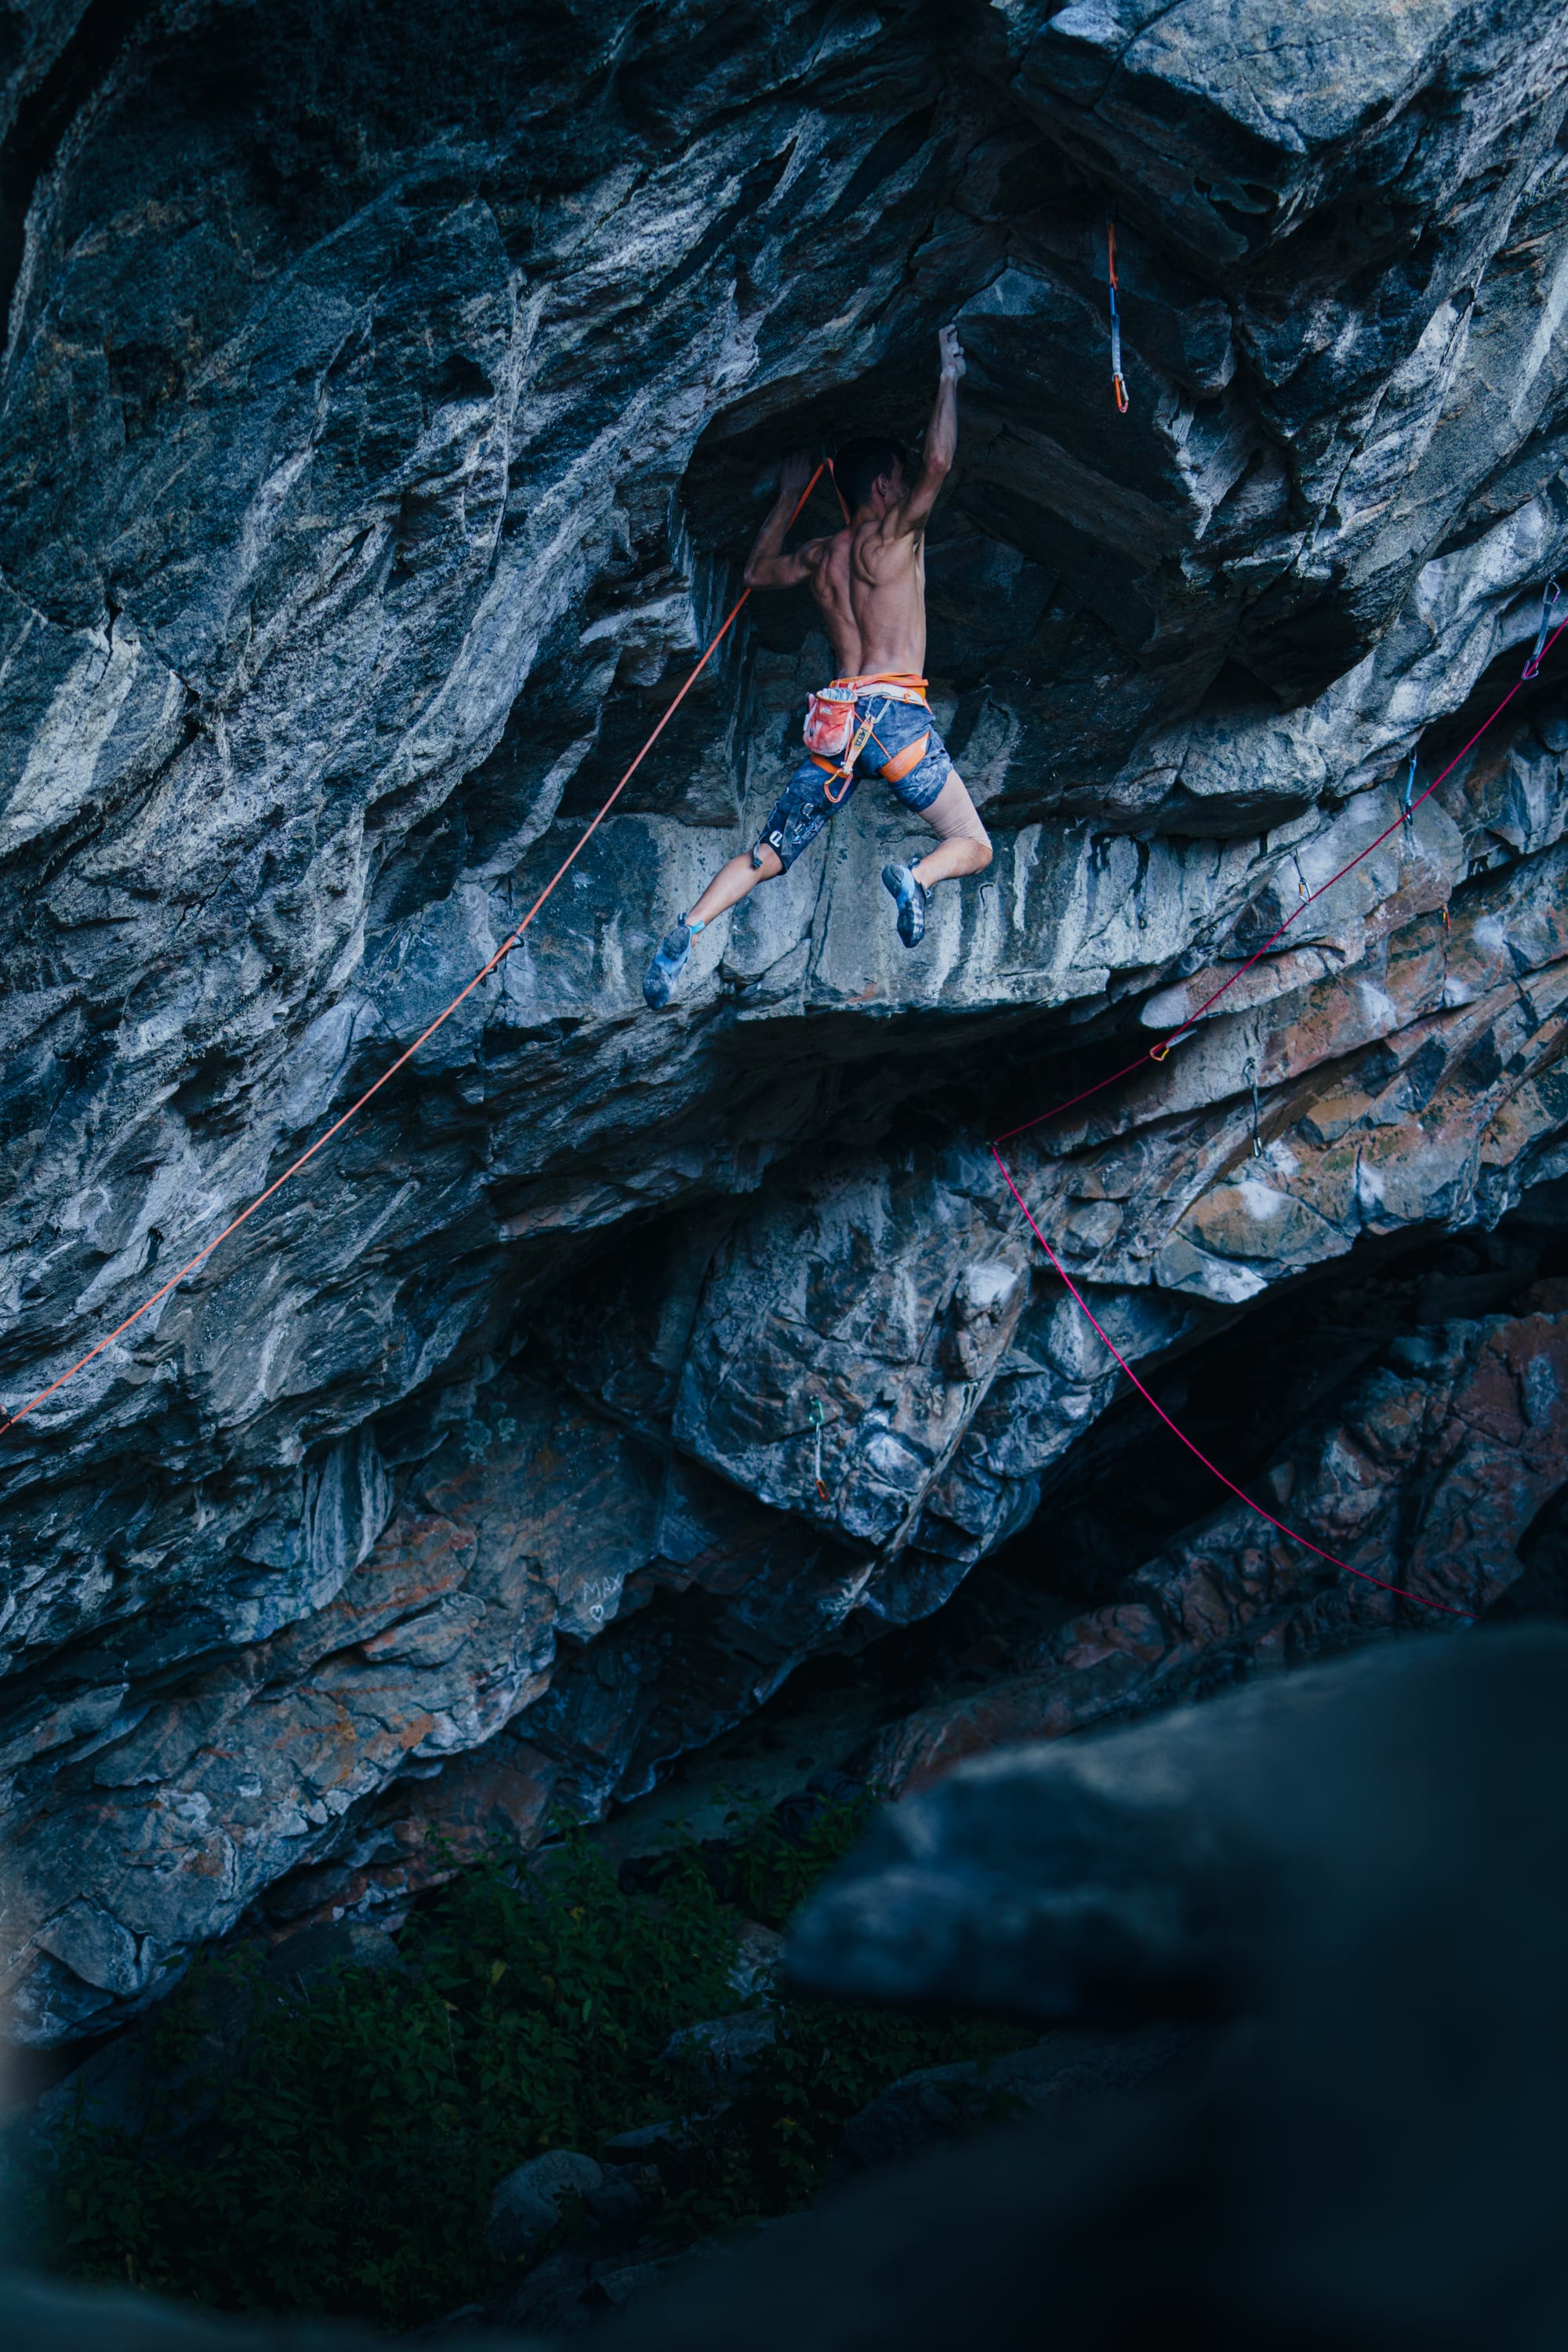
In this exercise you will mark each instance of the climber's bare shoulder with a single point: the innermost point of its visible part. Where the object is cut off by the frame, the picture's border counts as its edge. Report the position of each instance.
(770, 567)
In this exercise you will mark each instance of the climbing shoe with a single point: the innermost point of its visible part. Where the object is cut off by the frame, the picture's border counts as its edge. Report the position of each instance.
(911, 902)
(660, 980)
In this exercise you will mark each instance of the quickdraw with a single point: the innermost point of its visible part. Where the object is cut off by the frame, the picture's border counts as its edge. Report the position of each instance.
(1117, 381)
(1549, 596)
(821, 1482)
(1407, 814)
(845, 774)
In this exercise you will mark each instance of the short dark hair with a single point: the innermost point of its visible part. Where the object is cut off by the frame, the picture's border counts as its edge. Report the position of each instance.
(860, 465)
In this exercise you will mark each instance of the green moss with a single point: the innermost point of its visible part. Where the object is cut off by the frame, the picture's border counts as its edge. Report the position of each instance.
(343, 2160)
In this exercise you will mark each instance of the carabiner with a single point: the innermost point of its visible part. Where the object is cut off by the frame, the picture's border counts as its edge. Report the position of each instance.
(1549, 596)
(821, 1482)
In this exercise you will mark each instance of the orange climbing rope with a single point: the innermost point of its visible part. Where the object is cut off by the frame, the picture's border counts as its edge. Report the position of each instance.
(408, 1052)
(1543, 645)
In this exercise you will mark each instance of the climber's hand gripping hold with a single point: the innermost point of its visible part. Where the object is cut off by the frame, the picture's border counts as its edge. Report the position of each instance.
(868, 580)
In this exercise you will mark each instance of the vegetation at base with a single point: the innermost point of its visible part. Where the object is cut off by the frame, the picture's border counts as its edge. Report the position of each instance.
(334, 2149)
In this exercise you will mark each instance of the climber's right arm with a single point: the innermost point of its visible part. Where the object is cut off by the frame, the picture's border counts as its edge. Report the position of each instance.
(768, 566)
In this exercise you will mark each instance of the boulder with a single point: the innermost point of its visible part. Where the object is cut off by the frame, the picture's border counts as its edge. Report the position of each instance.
(938, 2104)
(725, 2047)
(532, 2200)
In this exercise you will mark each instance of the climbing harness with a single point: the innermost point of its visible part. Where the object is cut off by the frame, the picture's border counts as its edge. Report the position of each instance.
(1549, 596)
(821, 1482)
(830, 712)
(1161, 1050)
(505, 949)
(834, 742)
(1117, 381)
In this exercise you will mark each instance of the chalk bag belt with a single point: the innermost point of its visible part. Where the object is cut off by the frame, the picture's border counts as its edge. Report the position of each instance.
(1117, 381)
(893, 684)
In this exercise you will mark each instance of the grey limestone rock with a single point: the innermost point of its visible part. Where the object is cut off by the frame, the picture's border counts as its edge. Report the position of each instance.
(387, 403)
(757, 1963)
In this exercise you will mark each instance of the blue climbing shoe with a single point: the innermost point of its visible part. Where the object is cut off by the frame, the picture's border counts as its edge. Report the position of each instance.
(911, 901)
(662, 977)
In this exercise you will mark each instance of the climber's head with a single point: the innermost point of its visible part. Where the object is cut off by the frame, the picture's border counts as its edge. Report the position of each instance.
(871, 473)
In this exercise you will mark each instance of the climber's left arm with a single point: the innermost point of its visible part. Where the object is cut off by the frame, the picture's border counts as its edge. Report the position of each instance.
(942, 442)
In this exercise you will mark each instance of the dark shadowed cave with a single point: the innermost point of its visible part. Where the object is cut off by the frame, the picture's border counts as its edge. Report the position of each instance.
(389, 399)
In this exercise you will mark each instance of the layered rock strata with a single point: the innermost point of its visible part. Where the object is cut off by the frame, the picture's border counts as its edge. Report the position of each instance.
(387, 405)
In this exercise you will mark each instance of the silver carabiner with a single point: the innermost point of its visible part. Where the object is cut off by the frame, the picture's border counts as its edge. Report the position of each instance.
(1549, 596)
(817, 1417)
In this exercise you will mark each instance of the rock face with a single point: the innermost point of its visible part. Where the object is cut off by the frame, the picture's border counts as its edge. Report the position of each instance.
(1427, 1478)
(387, 403)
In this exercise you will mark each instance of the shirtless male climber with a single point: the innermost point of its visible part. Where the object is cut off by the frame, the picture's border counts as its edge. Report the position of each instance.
(873, 720)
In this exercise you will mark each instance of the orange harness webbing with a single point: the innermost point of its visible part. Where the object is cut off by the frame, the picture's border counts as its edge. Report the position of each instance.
(905, 677)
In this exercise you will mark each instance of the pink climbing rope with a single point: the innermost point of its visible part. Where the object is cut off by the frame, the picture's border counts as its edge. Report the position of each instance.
(1158, 1053)
(1213, 1468)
